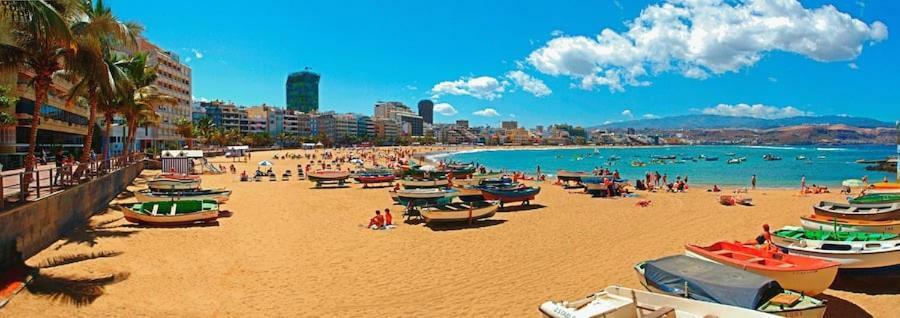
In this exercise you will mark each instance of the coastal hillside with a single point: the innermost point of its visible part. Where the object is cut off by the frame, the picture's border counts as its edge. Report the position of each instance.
(719, 122)
(797, 135)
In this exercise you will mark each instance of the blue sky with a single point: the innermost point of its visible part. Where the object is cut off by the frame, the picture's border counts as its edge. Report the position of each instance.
(542, 62)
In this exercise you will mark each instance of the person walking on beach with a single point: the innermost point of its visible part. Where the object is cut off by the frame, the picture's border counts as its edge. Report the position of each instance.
(538, 173)
(753, 182)
(665, 178)
(803, 184)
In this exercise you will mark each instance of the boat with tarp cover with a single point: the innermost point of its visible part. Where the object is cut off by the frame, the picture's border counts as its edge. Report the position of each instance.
(689, 277)
(804, 274)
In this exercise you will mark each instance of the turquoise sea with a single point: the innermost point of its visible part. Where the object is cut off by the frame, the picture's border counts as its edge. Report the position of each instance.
(824, 165)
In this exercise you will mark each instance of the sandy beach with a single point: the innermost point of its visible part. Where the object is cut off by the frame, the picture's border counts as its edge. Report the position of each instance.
(290, 250)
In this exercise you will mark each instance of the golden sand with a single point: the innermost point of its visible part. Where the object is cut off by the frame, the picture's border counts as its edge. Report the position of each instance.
(290, 250)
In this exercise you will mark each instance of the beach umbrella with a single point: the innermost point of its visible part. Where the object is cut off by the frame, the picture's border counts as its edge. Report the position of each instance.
(853, 183)
(265, 163)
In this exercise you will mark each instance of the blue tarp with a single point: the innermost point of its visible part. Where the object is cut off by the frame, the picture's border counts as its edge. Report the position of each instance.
(710, 282)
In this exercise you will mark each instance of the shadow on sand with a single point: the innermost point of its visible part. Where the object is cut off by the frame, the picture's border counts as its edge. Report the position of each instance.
(174, 226)
(883, 281)
(520, 208)
(840, 308)
(68, 289)
(456, 226)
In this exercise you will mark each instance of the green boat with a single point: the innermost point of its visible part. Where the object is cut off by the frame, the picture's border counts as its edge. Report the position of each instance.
(173, 212)
(799, 233)
(876, 198)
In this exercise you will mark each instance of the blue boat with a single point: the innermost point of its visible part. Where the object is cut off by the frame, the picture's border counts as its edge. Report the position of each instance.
(505, 195)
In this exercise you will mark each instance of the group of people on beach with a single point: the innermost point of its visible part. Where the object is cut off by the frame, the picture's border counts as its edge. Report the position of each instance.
(654, 180)
(381, 222)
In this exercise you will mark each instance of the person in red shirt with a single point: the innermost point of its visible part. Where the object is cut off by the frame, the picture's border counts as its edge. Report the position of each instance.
(377, 221)
(388, 219)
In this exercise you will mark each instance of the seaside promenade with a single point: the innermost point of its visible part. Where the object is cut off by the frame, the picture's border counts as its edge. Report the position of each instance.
(290, 250)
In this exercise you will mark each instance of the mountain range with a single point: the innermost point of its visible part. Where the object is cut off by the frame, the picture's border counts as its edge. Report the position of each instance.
(699, 121)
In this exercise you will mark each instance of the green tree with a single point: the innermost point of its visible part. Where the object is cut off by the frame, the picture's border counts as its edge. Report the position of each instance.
(96, 31)
(141, 99)
(36, 37)
(7, 104)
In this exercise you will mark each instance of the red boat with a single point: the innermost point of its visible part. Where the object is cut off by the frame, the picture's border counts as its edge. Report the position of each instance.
(800, 273)
(375, 179)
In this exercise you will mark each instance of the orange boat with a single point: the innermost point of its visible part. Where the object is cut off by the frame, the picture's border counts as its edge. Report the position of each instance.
(808, 275)
(827, 223)
(885, 185)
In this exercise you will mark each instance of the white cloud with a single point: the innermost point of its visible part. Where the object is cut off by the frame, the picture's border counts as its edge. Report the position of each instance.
(487, 112)
(557, 33)
(187, 59)
(512, 115)
(756, 110)
(627, 113)
(445, 109)
(773, 79)
(197, 53)
(201, 99)
(482, 87)
(411, 87)
(649, 116)
(699, 38)
(529, 84)
(853, 66)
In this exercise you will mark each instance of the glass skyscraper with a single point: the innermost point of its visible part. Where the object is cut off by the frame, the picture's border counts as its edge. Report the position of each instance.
(302, 90)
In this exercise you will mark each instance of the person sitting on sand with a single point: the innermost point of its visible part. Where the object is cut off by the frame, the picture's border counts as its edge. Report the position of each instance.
(377, 221)
(244, 176)
(715, 188)
(388, 219)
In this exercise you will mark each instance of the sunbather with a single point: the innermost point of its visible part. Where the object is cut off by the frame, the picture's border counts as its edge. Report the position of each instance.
(376, 222)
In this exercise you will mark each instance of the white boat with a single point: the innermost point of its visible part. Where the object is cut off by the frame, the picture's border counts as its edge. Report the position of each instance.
(424, 183)
(861, 254)
(621, 302)
(427, 193)
(818, 222)
(218, 195)
(174, 183)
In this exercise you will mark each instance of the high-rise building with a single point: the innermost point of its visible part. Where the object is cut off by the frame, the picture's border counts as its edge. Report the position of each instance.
(410, 123)
(462, 124)
(426, 110)
(302, 91)
(509, 125)
(173, 78)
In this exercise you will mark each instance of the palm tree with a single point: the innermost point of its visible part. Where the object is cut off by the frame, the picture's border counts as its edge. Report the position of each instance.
(96, 30)
(186, 129)
(142, 99)
(40, 40)
(204, 128)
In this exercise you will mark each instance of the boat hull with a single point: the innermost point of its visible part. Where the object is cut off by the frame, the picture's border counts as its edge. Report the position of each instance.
(869, 212)
(178, 219)
(809, 281)
(148, 196)
(817, 222)
(460, 214)
(507, 196)
(421, 184)
(174, 184)
(849, 259)
(616, 302)
(375, 179)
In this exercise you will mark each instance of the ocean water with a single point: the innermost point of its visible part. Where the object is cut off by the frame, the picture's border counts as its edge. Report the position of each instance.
(825, 165)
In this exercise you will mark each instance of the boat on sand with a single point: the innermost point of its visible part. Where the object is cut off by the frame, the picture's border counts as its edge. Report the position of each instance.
(506, 195)
(459, 212)
(804, 274)
(429, 196)
(876, 198)
(410, 183)
(851, 255)
(688, 277)
(174, 182)
(870, 212)
(621, 302)
(172, 212)
(796, 232)
(825, 223)
(148, 195)
(322, 176)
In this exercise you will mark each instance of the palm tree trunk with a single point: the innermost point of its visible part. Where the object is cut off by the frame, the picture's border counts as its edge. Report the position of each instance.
(107, 130)
(93, 100)
(41, 86)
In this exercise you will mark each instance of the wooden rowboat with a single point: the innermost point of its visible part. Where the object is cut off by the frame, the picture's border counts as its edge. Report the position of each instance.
(871, 212)
(885, 185)
(697, 279)
(425, 183)
(218, 195)
(804, 274)
(876, 198)
(818, 222)
(506, 195)
(369, 179)
(174, 182)
(459, 212)
(172, 212)
(796, 233)
(328, 175)
(621, 302)
(850, 254)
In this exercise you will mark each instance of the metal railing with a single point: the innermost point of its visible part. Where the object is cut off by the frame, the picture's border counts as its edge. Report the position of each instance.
(15, 186)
